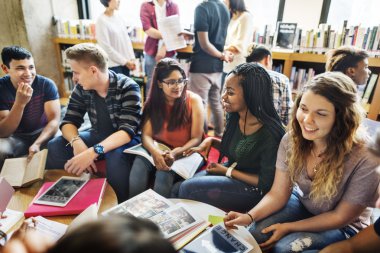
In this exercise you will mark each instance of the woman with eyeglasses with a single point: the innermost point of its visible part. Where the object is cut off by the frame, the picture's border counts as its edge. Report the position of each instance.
(250, 141)
(173, 116)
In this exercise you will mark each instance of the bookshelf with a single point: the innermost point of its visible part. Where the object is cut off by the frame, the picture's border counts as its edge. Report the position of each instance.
(289, 60)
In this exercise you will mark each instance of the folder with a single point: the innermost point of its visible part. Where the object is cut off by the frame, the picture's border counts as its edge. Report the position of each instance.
(91, 193)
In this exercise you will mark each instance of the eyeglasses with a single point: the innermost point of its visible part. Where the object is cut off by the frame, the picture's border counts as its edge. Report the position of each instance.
(179, 82)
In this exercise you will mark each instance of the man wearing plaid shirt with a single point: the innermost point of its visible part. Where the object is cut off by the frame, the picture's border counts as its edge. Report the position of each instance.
(113, 104)
(282, 94)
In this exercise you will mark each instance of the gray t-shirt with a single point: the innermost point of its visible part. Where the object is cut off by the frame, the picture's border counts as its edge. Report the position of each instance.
(358, 184)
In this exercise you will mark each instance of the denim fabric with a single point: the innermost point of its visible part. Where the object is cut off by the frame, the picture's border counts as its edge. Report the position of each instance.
(220, 191)
(118, 164)
(120, 70)
(297, 241)
(149, 63)
(141, 171)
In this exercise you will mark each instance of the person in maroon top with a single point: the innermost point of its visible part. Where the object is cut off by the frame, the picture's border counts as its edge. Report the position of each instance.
(154, 49)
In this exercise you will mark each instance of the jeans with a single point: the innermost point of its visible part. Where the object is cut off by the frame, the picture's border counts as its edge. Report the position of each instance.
(297, 241)
(17, 145)
(149, 63)
(220, 191)
(120, 70)
(208, 86)
(140, 175)
(118, 164)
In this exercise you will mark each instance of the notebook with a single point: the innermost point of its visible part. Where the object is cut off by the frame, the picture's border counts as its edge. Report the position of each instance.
(91, 193)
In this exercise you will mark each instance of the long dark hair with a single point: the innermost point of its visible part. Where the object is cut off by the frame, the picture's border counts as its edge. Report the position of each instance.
(237, 6)
(258, 96)
(155, 106)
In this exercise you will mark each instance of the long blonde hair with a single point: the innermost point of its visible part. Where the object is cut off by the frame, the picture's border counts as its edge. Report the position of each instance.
(339, 90)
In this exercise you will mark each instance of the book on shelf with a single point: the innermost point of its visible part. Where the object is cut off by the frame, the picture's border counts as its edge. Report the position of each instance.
(92, 192)
(21, 173)
(177, 222)
(184, 167)
(369, 89)
(218, 239)
(285, 35)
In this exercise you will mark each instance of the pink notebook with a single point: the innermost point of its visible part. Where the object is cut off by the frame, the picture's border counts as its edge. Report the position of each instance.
(91, 193)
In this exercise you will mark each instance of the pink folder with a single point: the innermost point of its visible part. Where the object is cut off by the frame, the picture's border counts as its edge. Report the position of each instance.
(6, 192)
(91, 193)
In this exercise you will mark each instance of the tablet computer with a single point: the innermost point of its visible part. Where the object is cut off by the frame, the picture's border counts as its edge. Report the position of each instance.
(62, 191)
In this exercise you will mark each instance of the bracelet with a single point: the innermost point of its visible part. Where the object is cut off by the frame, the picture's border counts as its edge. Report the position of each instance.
(229, 170)
(250, 216)
(75, 138)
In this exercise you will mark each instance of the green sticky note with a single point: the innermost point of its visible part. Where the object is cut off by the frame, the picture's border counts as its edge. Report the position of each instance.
(215, 219)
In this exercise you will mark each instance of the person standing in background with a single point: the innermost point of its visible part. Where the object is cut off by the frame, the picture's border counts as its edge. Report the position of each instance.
(112, 36)
(210, 24)
(239, 34)
(154, 49)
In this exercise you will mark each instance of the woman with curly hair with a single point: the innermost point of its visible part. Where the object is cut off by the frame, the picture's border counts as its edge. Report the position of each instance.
(325, 176)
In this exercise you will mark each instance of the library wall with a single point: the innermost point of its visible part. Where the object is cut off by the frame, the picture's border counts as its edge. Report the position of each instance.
(305, 13)
(12, 25)
(28, 23)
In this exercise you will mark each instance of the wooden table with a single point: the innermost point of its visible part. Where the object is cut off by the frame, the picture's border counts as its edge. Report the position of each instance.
(24, 196)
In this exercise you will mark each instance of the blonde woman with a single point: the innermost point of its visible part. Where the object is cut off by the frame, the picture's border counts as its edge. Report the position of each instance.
(325, 177)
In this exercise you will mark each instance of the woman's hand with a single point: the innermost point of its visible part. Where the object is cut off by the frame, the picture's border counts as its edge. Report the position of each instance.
(159, 161)
(202, 149)
(233, 219)
(279, 230)
(169, 158)
(216, 169)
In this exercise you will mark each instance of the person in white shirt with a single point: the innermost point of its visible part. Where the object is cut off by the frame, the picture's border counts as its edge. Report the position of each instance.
(112, 36)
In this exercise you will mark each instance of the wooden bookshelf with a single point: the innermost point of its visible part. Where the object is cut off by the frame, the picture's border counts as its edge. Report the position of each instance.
(288, 58)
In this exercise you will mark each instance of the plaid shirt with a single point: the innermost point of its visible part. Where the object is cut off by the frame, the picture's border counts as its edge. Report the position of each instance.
(282, 96)
(123, 101)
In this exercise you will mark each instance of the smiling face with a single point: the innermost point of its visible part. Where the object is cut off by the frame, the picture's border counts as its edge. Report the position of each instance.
(316, 117)
(172, 91)
(232, 97)
(21, 71)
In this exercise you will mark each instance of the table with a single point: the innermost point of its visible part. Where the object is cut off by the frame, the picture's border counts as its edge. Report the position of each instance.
(203, 210)
(24, 196)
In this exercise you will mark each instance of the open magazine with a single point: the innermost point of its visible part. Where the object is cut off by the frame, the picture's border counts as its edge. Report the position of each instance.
(176, 221)
(184, 167)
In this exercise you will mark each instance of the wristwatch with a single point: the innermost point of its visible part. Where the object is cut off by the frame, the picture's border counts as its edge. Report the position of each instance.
(99, 149)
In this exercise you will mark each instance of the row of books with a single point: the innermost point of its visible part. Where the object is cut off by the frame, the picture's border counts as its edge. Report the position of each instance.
(290, 37)
(299, 77)
(75, 29)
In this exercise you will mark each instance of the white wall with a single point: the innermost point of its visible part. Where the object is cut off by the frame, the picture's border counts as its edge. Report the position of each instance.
(306, 13)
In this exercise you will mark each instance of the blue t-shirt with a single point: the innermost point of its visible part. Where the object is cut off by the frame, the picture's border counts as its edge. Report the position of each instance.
(212, 17)
(34, 117)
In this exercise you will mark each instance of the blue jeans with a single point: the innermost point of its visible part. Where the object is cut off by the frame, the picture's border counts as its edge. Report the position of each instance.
(118, 164)
(297, 241)
(120, 70)
(149, 63)
(141, 171)
(220, 191)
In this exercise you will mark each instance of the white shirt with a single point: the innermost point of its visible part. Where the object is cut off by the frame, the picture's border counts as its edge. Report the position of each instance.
(239, 35)
(112, 35)
(160, 10)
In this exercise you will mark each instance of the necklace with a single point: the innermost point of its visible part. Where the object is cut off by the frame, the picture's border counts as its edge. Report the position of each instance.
(316, 157)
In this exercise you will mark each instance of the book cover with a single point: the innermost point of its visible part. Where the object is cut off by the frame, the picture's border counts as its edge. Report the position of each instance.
(6, 193)
(370, 87)
(285, 35)
(217, 239)
(91, 193)
(20, 173)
